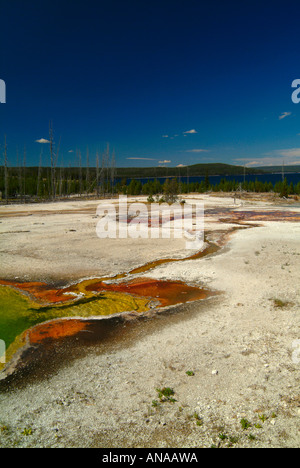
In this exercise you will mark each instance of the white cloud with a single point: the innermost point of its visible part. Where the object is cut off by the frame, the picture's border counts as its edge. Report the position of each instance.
(283, 115)
(274, 158)
(258, 162)
(197, 150)
(144, 159)
(290, 153)
(181, 165)
(42, 140)
(165, 136)
(164, 162)
(191, 131)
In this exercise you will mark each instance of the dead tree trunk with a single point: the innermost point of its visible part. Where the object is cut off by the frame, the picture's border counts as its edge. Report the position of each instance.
(5, 171)
(52, 161)
(97, 174)
(80, 174)
(87, 176)
(112, 172)
(24, 176)
(38, 187)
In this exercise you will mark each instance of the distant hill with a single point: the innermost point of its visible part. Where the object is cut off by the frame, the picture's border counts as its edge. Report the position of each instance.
(276, 169)
(193, 170)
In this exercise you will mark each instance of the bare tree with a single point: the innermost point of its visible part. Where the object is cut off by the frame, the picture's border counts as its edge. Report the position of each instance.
(87, 175)
(5, 171)
(38, 188)
(24, 175)
(97, 174)
(80, 173)
(107, 166)
(112, 171)
(61, 178)
(53, 160)
(102, 174)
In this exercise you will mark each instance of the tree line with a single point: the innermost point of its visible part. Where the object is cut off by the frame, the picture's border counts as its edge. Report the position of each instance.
(100, 178)
(175, 186)
(23, 184)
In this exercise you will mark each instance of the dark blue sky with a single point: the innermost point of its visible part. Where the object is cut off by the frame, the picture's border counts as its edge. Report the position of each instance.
(140, 74)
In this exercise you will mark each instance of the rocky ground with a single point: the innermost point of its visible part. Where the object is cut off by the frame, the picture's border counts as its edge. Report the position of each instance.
(222, 372)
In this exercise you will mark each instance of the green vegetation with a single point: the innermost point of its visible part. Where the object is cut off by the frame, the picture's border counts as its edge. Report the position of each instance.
(221, 435)
(245, 424)
(155, 403)
(278, 303)
(263, 417)
(171, 188)
(27, 431)
(3, 428)
(199, 420)
(165, 394)
(19, 313)
(37, 183)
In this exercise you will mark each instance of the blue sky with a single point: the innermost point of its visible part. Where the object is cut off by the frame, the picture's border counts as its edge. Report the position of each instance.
(164, 82)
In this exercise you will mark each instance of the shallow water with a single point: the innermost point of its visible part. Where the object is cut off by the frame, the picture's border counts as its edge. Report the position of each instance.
(18, 313)
(27, 315)
(40, 308)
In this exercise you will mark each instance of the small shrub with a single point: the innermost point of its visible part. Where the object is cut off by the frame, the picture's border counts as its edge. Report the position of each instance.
(233, 440)
(262, 417)
(199, 420)
(245, 424)
(166, 394)
(280, 304)
(27, 431)
(155, 403)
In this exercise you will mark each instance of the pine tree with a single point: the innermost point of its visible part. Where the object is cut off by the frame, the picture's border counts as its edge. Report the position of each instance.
(284, 189)
(206, 182)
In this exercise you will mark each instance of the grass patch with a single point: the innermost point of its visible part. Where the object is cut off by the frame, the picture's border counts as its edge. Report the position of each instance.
(279, 304)
(245, 424)
(198, 419)
(166, 394)
(27, 431)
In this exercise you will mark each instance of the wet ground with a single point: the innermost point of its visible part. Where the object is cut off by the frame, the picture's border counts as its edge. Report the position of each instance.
(55, 312)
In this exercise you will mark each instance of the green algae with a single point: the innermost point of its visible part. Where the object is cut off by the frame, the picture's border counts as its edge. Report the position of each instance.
(15, 314)
(18, 312)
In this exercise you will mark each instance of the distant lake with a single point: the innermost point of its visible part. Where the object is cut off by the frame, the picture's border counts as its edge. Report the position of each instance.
(291, 177)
